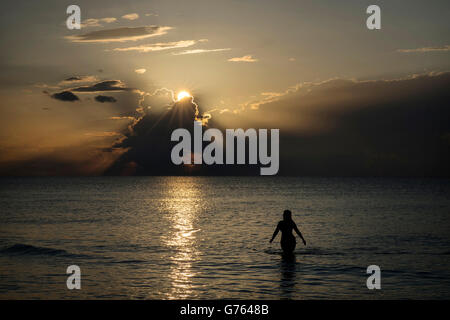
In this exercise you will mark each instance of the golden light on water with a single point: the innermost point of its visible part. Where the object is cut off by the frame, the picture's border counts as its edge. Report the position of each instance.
(183, 207)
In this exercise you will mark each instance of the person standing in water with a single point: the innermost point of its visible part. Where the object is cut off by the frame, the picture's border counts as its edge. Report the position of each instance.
(287, 238)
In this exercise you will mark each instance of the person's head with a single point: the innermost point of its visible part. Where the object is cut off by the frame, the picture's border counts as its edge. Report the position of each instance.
(287, 215)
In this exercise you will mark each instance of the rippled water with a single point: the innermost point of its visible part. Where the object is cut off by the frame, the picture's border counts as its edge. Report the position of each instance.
(207, 237)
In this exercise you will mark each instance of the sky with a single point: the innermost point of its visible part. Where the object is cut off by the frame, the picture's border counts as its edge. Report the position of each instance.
(347, 100)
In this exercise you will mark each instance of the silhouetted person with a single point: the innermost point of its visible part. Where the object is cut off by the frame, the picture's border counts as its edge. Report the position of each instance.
(287, 238)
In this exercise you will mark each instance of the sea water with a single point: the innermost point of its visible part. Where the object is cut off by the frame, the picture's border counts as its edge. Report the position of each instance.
(208, 237)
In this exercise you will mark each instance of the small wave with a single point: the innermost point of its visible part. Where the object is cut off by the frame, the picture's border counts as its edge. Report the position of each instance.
(25, 250)
(299, 252)
(393, 252)
(129, 261)
(317, 252)
(274, 251)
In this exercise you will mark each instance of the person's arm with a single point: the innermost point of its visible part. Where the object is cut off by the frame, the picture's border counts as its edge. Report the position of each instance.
(275, 233)
(299, 234)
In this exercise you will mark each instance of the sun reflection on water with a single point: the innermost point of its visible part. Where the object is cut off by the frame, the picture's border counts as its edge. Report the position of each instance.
(184, 202)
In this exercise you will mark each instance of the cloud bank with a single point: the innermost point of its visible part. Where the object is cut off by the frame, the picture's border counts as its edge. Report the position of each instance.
(338, 127)
(345, 127)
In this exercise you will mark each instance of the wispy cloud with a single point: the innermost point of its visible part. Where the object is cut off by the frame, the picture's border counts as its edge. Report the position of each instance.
(120, 34)
(195, 51)
(103, 134)
(159, 46)
(41, 85)
(130, 16)
(140, 71)
(97, 22)
(426, 49)
(108, 20)
(122, 118)
(247, 58)
(107, 85)
(78, 79)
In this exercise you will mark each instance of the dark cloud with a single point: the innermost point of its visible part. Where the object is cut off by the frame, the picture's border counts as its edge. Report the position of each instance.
(107, 85)
(359, 128)
(102, 99)
(148, 145)
(120, 34)
(148, 142)
(333, 128)
(65, 96)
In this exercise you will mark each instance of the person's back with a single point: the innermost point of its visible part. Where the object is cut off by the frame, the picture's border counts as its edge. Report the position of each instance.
(286, 226)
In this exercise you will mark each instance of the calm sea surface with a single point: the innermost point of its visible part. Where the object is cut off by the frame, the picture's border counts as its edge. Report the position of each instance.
(208, 237)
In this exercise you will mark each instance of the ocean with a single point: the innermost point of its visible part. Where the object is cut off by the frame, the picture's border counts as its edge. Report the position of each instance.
(208, 237)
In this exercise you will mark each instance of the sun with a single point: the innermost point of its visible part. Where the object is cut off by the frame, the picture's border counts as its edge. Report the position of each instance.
(183, 94)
